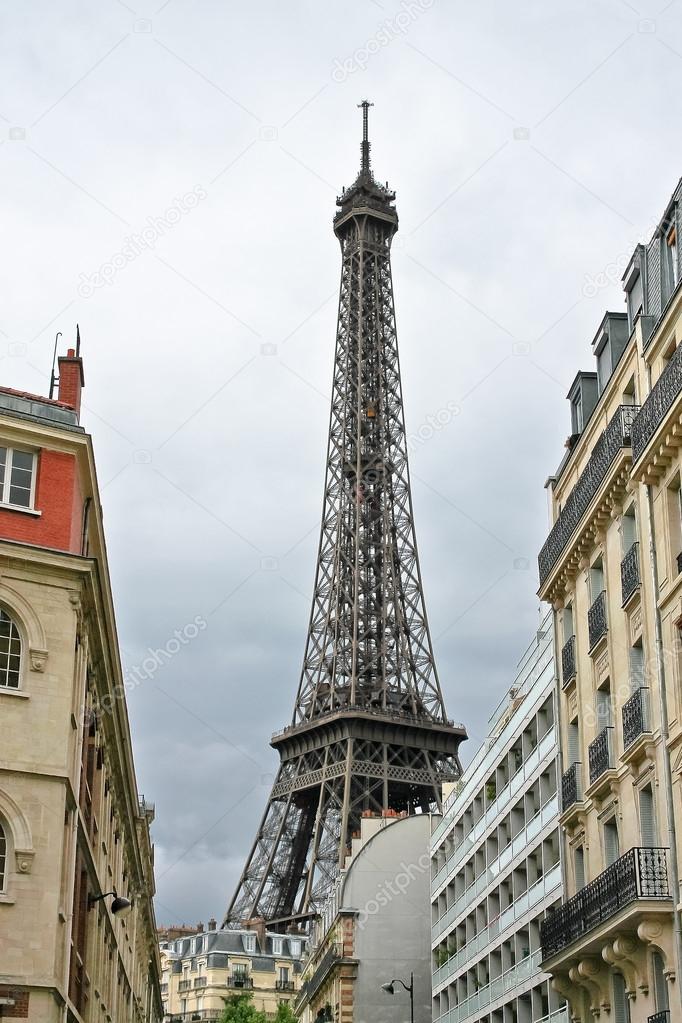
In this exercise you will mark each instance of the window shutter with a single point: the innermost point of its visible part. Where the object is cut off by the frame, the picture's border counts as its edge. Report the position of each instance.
(653, 261)
(573, 744)
(579, 861)
(636, 668)
(620, 1000)
(660, 983)
(611, 842)
(647, 820)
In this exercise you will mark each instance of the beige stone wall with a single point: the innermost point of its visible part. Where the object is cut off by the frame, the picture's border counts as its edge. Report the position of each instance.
(585, 972)
(63, 610)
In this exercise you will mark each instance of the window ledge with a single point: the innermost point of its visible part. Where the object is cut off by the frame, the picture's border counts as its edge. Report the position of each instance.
(7, 691)
(6, 900)
(20, 508)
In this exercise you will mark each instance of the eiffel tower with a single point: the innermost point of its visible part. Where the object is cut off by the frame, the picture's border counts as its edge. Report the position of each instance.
(369, 730)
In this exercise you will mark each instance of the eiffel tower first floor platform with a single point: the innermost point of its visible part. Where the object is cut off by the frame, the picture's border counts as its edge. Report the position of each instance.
(332, 769)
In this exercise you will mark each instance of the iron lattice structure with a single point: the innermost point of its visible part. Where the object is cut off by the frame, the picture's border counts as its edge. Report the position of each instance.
(369, 730)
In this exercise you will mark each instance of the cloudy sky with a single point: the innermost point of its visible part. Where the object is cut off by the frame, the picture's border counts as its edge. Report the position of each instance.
(169, 171)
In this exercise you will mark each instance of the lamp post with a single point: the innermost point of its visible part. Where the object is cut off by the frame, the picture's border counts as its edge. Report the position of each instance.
(389, 989)
(120, 906)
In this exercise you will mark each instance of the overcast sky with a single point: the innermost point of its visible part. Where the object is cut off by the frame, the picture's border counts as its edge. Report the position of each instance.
(531, 146)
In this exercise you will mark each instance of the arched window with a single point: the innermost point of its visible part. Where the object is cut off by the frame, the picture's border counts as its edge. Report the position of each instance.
(3, 857)
(10, 652)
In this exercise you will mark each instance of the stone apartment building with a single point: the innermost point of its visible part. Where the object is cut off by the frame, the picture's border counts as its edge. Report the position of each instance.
(496, 861)
(77, 930)
(202, 969)
(611, 569)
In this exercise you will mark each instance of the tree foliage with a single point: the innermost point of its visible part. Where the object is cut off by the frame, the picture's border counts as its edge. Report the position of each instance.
(240, 1009)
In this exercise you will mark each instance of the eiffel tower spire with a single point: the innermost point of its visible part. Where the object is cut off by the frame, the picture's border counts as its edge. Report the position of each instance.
(369, 731)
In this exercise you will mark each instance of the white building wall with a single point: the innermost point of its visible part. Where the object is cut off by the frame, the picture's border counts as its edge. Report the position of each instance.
(496, 861)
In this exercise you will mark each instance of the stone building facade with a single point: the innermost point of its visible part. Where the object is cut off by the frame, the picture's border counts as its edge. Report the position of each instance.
(611, 569)
(72, 826)
(201, 970)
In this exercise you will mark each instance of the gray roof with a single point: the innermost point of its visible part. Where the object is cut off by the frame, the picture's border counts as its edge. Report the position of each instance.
(234, 943)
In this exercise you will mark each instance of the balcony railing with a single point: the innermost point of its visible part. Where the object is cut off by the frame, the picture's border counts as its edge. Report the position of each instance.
(629, 573)
(239, 980)
(600, 754)
(635, 716)
(615, 437)
(663, 1016)
(657, 405)
(570, 787)
(596, 619)
(200, 982)
(193, 1015)
(568, 661)
(309, 987)
(184, 985)
(284, 985)
(642, 873)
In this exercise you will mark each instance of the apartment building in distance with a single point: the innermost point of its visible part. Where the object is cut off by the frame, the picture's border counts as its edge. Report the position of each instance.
(77, 930)
(201, 970)
(496, 861)
(611, 569)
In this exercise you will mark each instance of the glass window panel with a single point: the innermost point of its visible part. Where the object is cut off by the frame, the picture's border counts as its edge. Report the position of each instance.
(21, 478)
(17, 495)
(22, 460)
(10, 665)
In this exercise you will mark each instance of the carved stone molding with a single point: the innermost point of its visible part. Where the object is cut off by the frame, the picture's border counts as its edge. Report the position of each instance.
(38, 658)
(24, 860)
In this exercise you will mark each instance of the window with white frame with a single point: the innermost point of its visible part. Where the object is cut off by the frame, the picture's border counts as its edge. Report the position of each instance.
(10, 652)
(17, 477)
(277, 946)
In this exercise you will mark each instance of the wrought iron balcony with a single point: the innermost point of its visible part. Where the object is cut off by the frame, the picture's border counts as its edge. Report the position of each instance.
(635, 716)
(663, 1016)
(629, 573)
(596, 619)
(568, 661)
(284, 985)
(600, 754)
(679, 563)
(571, 789)
(615, 437)
(239, 980)
(200, 982)
(642, 873)
(657, 405)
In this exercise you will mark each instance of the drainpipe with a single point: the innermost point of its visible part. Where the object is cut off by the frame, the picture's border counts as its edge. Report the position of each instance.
(667, 769)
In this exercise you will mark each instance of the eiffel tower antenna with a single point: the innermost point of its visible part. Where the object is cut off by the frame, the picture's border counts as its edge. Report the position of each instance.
(364, 165)
(369, 732)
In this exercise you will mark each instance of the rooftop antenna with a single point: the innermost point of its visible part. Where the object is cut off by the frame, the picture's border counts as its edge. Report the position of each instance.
(78, 341)
(364, 149)
(53, 378)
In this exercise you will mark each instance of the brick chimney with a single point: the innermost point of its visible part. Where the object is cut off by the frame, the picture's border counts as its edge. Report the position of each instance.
(212, 924)
(71, 379)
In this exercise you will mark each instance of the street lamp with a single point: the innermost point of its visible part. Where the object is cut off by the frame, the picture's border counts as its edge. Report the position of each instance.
(389, 989)
(120, 906)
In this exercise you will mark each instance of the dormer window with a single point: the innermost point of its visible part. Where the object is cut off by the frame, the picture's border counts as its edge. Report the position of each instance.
(17, 477)
(671, 269)
(635, 300)
(277, 946)
(250, 942)
(295, 947)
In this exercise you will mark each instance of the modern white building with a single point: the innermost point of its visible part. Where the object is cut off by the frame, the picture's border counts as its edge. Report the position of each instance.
(496, 861)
